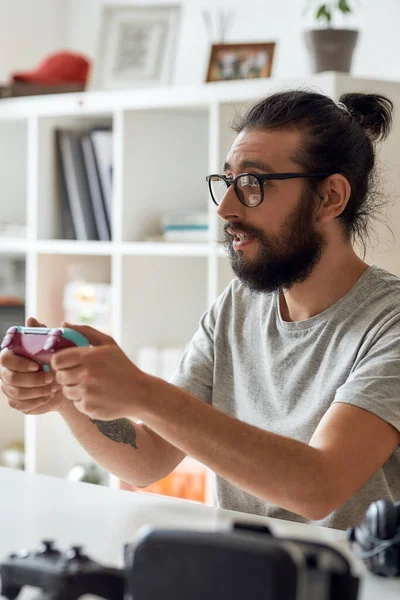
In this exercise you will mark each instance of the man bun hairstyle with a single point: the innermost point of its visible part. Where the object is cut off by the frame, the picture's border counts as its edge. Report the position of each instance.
(373, 112)
(337, 138)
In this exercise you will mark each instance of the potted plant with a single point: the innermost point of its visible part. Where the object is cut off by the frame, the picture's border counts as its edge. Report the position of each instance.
(331, 49)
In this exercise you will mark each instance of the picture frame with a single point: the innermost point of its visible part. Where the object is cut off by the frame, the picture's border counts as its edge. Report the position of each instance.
(136, 46)
(240, 61)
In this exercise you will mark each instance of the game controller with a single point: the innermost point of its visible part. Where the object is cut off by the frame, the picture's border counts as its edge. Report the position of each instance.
(40, 343)
(61, 576)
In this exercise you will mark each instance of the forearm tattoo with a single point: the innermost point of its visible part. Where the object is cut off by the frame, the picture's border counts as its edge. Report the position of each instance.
(119, 430)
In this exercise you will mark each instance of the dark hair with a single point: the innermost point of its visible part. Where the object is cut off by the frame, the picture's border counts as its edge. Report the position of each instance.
(337, 138)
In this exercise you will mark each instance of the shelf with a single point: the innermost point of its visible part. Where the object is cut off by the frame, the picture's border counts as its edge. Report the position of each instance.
(164, 249)
(74, 247)
(13, 246)
(20, 247)
(104, 103)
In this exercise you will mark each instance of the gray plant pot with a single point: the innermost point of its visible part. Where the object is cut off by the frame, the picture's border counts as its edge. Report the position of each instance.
(331, 49)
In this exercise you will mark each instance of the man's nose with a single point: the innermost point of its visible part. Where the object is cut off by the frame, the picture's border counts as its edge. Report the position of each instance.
(230, 205)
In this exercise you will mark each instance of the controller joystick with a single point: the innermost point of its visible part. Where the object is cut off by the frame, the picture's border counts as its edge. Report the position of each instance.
(48, 549)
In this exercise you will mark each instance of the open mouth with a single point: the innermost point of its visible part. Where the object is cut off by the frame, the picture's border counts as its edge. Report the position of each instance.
(240, 240)
(241, 237)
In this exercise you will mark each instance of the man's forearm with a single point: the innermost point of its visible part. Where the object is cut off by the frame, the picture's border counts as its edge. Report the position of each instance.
(130, 451)
(280, 470)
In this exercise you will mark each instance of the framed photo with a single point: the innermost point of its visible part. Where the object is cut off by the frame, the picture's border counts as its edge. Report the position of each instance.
(136, 46)
(240, 61)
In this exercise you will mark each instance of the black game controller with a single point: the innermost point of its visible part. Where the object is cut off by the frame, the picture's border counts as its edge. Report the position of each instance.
(61, 576)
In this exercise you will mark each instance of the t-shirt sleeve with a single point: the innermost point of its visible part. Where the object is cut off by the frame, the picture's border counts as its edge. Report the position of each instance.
(195, 371)
(374, 382)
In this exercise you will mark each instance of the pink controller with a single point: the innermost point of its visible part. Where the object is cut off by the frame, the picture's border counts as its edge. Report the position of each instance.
(38, 343)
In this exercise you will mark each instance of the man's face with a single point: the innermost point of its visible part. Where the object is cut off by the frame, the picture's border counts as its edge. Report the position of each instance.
(284, 244)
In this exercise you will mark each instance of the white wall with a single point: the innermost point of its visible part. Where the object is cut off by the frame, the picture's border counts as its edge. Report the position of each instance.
(30, 29)
(263, 20)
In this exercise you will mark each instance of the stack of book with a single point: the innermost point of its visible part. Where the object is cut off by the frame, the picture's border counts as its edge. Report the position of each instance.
(84, 161)
(185, 227)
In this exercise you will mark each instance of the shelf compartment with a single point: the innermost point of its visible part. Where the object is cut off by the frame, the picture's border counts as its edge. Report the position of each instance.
(49, 195)
(13, 178)
(163, 301)
(166, 171)
(53, 272)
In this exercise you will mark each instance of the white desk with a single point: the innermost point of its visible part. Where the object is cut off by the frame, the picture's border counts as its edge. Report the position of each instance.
(35, 507)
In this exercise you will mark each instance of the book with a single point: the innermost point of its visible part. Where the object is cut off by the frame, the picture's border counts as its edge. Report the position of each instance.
(67, 225)
(76, 194)
(185, 227)
(102, 140)
(96, 196)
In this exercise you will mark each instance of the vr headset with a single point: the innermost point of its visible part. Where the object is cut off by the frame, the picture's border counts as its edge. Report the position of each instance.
(247, 562)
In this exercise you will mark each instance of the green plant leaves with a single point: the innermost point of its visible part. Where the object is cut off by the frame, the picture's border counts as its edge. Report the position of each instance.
(343, 5)
(323, 12)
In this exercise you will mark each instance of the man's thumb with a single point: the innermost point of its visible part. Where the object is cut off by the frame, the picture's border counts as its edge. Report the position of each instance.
(95, 338)
(32, 322)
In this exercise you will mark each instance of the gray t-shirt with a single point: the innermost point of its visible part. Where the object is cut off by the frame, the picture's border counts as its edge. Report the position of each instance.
(283, 376)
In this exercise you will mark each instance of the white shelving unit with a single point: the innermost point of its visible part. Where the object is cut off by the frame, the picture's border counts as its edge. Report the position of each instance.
(165, 143)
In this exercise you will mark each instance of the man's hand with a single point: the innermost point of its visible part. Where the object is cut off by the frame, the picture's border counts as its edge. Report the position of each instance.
(27, 389)
(95, 337)
(35, 392)
(102, 382)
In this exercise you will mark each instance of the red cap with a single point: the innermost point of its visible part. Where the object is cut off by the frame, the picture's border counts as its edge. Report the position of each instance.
(58, 68)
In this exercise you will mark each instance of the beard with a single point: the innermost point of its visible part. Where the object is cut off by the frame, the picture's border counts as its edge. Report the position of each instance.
(283, 260)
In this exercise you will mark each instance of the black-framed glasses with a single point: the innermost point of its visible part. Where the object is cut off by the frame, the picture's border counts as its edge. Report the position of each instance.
(249, 187)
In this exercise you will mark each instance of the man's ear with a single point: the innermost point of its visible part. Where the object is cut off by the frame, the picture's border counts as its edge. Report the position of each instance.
(335, 192)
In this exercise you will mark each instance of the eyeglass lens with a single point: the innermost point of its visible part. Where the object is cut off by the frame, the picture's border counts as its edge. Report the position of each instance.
(248, 189)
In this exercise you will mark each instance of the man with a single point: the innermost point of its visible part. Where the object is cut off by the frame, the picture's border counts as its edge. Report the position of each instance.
(290, 389)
